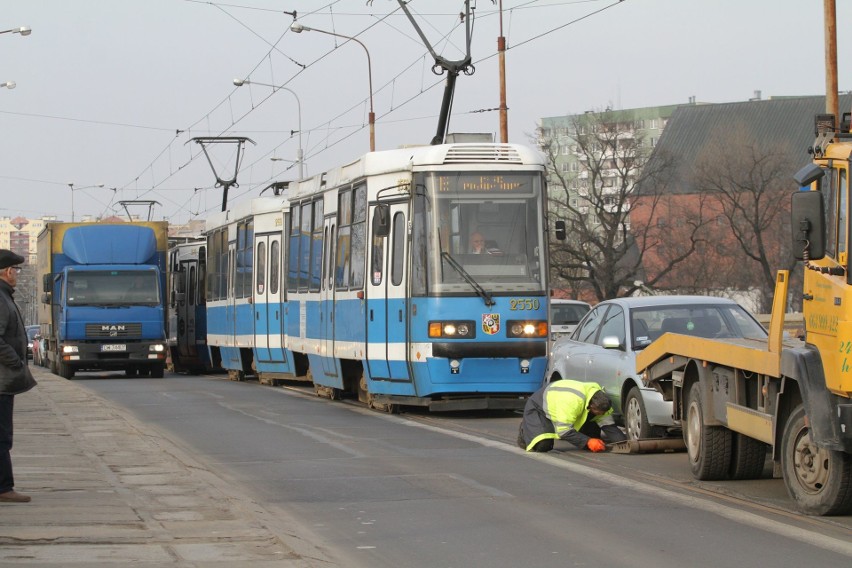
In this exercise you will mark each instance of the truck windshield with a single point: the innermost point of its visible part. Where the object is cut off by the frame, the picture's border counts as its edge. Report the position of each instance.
(112, 288)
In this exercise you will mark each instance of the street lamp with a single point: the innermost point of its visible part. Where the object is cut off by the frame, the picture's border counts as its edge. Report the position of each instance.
(299, 153)
(8, 85)
(298, 28)
(73, 189)
(23, 30)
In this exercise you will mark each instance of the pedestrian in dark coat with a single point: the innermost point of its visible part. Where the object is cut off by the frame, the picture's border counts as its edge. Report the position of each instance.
(15, 376)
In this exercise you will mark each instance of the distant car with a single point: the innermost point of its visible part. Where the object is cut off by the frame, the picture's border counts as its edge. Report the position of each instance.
(603, 348)
(32, 331)
(565, 315)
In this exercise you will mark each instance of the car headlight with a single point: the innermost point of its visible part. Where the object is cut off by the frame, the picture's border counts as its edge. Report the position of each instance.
(530, 328)
(456, 329)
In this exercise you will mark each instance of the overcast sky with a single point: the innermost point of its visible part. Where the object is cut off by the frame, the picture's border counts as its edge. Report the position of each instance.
(111, 91)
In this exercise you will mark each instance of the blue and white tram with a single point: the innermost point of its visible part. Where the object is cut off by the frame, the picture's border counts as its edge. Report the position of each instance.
(187, 306)
(235, 330)
(384, 297)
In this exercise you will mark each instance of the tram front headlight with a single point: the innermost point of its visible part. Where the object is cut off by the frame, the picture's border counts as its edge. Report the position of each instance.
(452, 329)
(527, 328)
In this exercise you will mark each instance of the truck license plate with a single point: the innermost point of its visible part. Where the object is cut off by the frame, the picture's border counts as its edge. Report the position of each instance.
(114, 347)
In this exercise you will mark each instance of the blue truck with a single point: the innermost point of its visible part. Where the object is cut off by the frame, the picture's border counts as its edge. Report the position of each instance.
(103, 297)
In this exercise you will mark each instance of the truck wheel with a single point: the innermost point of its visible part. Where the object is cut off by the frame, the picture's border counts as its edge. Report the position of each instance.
(748, 457)
(818, 480)
(157, 372)
(66, 371)
(709, 447)
(635, 418)
(54, 368)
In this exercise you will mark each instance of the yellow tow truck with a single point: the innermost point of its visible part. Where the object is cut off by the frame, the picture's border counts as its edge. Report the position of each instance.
(736, 399)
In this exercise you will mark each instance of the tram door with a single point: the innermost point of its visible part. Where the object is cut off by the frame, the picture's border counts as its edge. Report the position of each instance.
(327, 315)
(185, 307)
(387, 312)
(265, 312)
(231, 300)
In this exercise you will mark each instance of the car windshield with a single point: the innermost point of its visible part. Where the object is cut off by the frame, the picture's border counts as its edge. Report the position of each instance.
(710, 321)
(32, 331)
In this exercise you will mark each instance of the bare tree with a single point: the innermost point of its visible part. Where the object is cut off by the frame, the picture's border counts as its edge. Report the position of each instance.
(750, 181)
(593, 173)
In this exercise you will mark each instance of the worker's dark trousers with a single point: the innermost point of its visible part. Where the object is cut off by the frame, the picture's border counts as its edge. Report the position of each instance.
(590, 429)
(7, 481)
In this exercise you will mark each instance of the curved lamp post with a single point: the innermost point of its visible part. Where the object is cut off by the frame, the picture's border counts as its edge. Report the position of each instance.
(299, 28)
(73, 189)
(300, 158)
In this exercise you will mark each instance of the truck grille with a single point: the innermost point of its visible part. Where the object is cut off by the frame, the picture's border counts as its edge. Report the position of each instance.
(108, 330)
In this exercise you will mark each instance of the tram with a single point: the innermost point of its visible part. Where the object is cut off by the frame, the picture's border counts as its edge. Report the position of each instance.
(187, 310)
(415, 276)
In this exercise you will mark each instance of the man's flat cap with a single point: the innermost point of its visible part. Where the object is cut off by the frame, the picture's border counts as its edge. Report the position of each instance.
(8, 258)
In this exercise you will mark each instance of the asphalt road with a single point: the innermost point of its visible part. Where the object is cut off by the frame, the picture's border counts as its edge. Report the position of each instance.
(452, 490)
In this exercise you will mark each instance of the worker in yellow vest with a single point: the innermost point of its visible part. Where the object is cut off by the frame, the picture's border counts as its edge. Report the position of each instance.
(574, 411)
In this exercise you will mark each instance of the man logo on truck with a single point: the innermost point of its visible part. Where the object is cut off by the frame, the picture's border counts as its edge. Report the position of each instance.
(113, 329)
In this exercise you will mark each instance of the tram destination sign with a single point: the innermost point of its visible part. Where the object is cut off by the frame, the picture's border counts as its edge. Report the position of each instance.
(483, 183)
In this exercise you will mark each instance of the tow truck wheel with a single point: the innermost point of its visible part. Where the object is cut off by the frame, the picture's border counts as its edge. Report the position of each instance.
(748, 457)
(819, 480)
(709, 447)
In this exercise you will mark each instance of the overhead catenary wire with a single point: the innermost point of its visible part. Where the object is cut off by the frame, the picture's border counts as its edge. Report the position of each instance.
(326, 143)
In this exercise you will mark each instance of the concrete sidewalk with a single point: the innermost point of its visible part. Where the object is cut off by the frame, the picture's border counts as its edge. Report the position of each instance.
(108, 491)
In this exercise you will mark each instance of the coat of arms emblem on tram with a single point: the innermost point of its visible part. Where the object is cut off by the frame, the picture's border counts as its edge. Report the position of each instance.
(490, 323)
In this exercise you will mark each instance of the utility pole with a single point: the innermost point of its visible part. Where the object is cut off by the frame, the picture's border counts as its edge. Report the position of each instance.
(831, 104)
(501, 56)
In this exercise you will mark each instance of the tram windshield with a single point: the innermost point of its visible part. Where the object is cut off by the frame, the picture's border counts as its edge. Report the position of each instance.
(489, 223)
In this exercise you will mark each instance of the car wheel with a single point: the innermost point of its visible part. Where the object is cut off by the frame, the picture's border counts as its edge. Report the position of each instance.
(636, 419)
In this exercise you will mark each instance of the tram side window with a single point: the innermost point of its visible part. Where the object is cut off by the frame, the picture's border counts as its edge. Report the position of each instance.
(316, 247)
(274, 266)
(190, 297)
(217, 245)
(359, 238)
(398, 266)
(293, 246)
(330, 258)
(377, 260)
(305, 246)
(260, 273)
(245, 253)
(344, 230)
(223, 268)
(202, 276)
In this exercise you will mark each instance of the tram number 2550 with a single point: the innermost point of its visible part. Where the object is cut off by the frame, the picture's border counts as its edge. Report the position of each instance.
(524, 304)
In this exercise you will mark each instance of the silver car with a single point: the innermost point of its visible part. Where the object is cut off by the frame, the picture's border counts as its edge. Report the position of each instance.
(565, 315)
(603, 348)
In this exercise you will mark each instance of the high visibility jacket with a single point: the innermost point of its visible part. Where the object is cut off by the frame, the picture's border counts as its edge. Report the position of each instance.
(565, 404)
